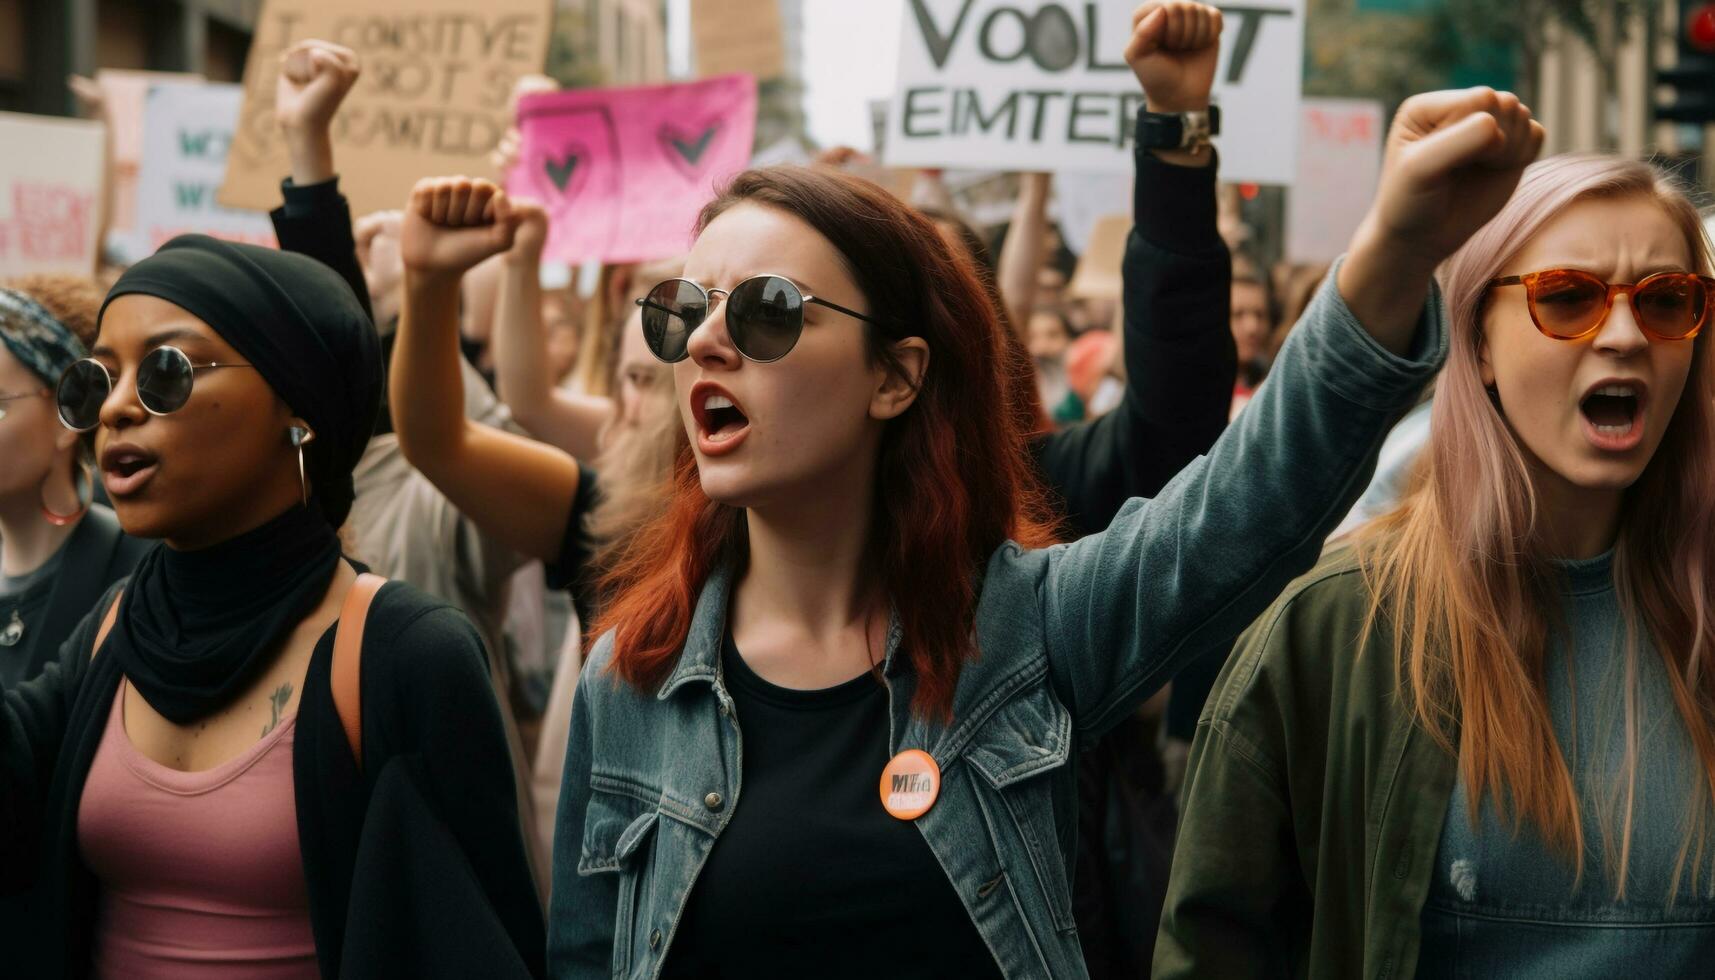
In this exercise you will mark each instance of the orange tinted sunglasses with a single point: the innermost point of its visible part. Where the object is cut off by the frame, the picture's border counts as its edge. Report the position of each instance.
(1567, 304)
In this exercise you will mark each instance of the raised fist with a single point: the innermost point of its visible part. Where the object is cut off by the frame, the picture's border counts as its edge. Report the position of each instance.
(452, 223)
(1453, 159)
(314, 78)
(504, 156)
(1173, 50)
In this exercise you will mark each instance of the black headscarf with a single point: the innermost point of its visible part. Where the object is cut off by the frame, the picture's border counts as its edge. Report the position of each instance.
(196, 627)
(297, 321)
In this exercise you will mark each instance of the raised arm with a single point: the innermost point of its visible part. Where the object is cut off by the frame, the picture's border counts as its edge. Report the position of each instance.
(518, 490)
(573, 422)
(315, 219)
(1021, 252)
(1177, 275)
(1181, 575)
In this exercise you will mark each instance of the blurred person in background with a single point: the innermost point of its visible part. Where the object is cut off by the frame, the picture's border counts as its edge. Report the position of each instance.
(59, 550)
(1253, 316)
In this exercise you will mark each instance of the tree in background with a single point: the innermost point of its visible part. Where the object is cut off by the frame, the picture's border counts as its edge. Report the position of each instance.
(1388, 49)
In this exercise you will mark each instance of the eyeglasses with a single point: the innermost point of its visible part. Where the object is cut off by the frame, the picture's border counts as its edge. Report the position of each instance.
(4, 408)
(164, 383)
(764, 316)
(1567, 304)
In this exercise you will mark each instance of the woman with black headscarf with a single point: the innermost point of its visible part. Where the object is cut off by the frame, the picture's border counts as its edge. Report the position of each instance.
(181, 784)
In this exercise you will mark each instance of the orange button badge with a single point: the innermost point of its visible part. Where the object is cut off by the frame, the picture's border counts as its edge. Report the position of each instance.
(910, 784)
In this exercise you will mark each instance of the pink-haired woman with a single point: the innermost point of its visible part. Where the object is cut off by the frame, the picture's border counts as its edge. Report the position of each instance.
(1480, 740)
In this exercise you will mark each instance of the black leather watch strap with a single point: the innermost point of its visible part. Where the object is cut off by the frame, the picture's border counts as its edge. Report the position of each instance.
(1166, 130)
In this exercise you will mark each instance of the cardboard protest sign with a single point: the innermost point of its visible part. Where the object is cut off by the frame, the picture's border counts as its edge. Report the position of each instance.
(1098, 273)
(1043, 85)
(123, 92)
(432, 98)
(189, 129)
(50, 193)
(1339, 166)
(623, 171)
(731, 36)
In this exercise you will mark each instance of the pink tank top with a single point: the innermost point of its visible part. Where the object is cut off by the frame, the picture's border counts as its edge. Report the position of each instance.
(200, 872)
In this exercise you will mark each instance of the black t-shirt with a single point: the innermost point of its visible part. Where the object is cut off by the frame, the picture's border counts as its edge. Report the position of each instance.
(23, 608)
(812, 877)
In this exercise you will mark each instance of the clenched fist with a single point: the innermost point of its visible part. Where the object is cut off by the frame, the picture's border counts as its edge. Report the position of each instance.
(314, 79)
(452, 223)
(1173, 50)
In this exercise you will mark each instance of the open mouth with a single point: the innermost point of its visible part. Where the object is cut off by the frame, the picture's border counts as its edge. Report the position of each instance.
(721, 421)
(125, 469)
(1614, 415)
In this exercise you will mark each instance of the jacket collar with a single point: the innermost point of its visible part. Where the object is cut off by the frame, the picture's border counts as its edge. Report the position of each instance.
(699, 659)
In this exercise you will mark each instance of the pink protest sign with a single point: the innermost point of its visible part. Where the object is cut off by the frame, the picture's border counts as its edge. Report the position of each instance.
(623, 171)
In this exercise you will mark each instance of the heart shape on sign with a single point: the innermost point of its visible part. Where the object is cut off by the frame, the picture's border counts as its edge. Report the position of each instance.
(687, 150)
(560, 171)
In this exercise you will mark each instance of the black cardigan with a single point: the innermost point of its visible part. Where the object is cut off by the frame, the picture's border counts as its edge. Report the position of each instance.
(435, 769)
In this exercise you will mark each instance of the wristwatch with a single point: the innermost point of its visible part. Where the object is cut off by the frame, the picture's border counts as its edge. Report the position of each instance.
(1178, 130)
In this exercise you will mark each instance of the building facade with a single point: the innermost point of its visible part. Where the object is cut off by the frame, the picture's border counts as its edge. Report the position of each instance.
(43, 41)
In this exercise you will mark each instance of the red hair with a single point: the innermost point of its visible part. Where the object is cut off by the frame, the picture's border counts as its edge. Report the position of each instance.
(954, 478)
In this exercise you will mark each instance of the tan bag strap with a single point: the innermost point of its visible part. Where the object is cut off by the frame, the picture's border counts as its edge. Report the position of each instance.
(107, 622)
(347, 669)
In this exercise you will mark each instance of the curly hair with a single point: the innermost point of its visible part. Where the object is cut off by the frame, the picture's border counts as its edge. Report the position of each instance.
(72, 300)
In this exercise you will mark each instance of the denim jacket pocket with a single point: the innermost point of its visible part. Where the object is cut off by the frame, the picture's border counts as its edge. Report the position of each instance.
(617, 829)
(1014, 750)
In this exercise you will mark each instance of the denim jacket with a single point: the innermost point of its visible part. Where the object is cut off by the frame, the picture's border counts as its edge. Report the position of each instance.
(1071, 639)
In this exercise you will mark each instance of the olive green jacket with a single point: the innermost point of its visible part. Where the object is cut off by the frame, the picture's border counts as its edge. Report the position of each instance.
(1313, 803)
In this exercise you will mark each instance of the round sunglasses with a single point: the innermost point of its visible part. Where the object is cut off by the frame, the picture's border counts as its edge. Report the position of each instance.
(764, 316)
(1567, 304)
(164, 383)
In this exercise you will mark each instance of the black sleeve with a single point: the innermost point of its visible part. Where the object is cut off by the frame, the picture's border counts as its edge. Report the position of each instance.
(1179, 355)
(315, 221)
(34, 720)
(566, 571)
(440, 703)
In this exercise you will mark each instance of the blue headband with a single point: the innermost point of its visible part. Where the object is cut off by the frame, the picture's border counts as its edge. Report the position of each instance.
(39, 342)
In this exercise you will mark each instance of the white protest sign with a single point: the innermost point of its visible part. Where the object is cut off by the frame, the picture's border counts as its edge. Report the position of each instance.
(188, 129)
(50, 193)
(1083, 200)
(1036, 85)
(1339, 165)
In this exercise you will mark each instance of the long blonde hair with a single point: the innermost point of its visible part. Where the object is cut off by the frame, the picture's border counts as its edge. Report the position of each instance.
(1459, 577)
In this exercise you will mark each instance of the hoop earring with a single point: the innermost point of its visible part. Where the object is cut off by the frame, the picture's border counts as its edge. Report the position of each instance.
(83, 485)
(300, 435)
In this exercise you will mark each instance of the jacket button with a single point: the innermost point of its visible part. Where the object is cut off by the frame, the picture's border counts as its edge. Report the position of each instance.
(655, 939)
(713, 801)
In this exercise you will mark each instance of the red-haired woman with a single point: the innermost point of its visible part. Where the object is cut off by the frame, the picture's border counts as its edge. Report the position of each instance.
(852, 588)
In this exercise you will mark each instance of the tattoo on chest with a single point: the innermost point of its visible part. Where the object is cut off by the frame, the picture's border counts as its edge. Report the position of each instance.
(277, 701)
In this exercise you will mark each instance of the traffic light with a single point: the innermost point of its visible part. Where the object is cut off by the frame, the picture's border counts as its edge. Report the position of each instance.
(1693, 76)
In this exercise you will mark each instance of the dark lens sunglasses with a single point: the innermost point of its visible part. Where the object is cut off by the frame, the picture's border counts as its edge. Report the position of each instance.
(164, 383)
(764, 316)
